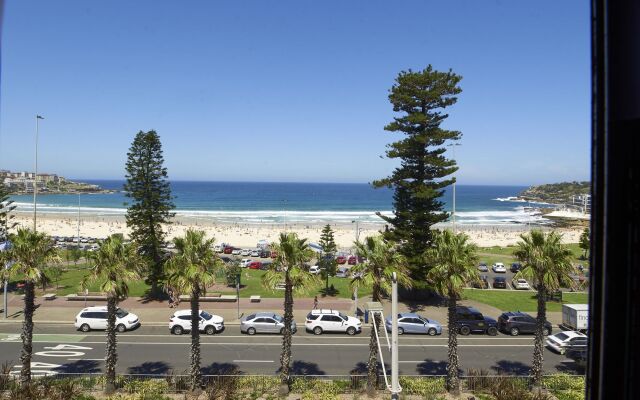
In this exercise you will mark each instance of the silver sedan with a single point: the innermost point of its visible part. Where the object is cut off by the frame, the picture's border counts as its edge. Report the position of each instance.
(414, 323)
(264, 322)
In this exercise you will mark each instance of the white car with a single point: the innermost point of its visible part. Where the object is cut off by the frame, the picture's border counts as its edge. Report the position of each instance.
(236, 252)
(342, 272)
(245, 252)
(245, 262)
(218, 249)
(521, 284)
(180, 322)
(319, 321)
(314, 270)
(562, 341)
(499, 268)
(255, 253)
(95, 317)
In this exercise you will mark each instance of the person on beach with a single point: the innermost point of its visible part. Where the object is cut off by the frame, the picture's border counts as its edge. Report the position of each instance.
(315, 302)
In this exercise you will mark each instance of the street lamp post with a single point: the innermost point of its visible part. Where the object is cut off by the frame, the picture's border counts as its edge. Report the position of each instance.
(453, 214)
(35, 178)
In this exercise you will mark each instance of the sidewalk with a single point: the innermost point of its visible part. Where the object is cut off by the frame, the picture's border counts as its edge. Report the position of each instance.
(63, 311)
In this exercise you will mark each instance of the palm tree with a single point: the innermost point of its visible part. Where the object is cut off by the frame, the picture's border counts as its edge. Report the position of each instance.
(191, 270)
(30, 251)
(547, 264)
(288, 269)
(452, 259)
(382, 260)
(114, 265)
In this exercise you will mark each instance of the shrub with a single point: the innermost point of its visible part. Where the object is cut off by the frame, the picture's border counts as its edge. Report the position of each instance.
(422, 386)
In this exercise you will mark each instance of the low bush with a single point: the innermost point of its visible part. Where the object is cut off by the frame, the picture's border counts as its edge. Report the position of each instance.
(422, 386)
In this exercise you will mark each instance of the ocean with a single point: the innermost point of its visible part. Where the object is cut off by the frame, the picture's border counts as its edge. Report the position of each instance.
(312, 203)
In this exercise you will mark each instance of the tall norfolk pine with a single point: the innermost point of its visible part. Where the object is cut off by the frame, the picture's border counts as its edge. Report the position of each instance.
(148, 186)
(420, 179)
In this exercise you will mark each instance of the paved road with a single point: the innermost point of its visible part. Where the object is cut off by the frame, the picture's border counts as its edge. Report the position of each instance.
(152, 350)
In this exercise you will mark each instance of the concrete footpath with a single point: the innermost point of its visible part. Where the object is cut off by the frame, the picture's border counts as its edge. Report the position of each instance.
(61, 310)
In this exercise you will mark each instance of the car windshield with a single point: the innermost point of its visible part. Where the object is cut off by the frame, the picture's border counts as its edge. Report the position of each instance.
(205, 315)
(562, 336)
(277, 318)
(423, 319)
(120, 313)
(344, 317)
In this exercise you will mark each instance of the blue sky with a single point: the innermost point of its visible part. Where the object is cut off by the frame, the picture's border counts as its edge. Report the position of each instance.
(292, 90)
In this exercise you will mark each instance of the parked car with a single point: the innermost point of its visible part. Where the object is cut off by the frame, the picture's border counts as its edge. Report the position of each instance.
(482, 267)
(414, 323)
(265, 253)
(255, 253)
(218, 249)
(515, 267)
(341, 259)
(255, 265)
(265, 265)
(563, 341)
(274, 254)
(515, 323)
(245, 262)
(264, 322)
(499, 282)
(520, 284)
(245, 252)
(342, 272)
(499, 268)
(352, 260)
(314, 270)
(180, 322)
(236, 252)
(469, 319)
(319, 321)
(228, 250)
(481, 283)
(95, 317)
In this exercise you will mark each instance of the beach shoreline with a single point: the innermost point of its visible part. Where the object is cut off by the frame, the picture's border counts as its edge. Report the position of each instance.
(247, 235)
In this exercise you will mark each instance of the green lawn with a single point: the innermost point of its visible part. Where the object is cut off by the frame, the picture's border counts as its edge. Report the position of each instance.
(511, 300)
(504, 255)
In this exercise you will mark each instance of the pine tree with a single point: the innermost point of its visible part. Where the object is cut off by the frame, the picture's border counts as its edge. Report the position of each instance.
(148, 186)
(327, 261)
(419, 181)
(6, 206)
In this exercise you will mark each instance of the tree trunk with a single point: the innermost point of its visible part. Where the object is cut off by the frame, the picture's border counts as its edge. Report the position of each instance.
(453, 381)
(27, 334)
(372, 363)
(285, 357)
(195, 339)
(538, 348)
(112, 354)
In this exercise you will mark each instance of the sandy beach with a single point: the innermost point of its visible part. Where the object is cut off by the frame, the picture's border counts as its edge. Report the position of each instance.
(247, 235)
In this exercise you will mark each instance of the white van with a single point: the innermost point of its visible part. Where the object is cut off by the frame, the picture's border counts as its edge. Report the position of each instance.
(96, 318)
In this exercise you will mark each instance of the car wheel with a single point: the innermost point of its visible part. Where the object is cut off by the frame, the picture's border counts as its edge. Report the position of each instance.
(465, 330)
(351, 331)
(400, 331)
(317, 330)
(492, 331)
(177, 330)
(210, 330)
(85, 328)
(432, 331)
(251, 331)
(121, 328)
(514, 331)
(546, 331)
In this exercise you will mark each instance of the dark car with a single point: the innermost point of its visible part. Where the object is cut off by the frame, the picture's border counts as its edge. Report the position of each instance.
(341, 259)
(499, 282)
(518, 322)
(227, 250)
(265, 253)
(468, 320)
(352, 260)
(516, 267)
(481, 283)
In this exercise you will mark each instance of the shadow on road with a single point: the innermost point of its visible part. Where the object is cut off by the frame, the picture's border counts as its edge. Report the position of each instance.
(80, 366)
(220, 369)
(150, 368)
(431, 367)
(510, 367)
(304, 368)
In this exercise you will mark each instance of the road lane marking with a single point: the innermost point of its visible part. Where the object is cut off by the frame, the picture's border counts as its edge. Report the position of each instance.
(245, 344)
(253, 361)
(86, 359)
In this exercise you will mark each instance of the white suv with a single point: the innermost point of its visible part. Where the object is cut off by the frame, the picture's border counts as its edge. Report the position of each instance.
(180, 322)
(319, 321)
(96, 318)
